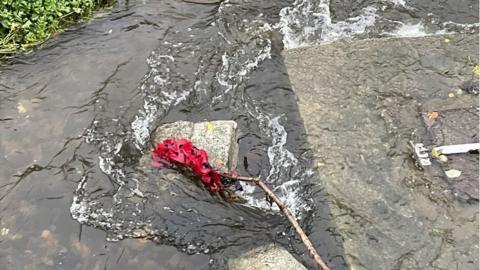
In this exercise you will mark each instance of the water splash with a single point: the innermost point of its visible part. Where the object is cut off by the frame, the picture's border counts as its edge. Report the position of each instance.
(239, 47)
(283, 165)
(309, 22)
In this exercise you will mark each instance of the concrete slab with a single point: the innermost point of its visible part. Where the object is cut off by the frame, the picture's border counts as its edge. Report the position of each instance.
(217, 138)
(269, 257)
(360, 104)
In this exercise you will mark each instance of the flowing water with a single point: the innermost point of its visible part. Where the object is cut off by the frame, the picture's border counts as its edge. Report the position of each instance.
(76, 117)
(309, 22)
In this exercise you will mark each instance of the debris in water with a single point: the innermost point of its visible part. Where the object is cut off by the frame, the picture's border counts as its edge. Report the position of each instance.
(46, 234)
(458, 92)
(432, 115)
(21, 108)
(476, 70)
(470, 86)
(4, 231)
(453, 173)
(443, 158)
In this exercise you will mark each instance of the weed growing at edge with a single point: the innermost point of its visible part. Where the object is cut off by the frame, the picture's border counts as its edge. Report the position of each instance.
(26, 23)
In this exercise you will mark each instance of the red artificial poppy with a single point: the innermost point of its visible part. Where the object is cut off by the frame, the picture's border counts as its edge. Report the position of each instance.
(184, 153)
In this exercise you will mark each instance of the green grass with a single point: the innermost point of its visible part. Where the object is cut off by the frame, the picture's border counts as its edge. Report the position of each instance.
(27, 23)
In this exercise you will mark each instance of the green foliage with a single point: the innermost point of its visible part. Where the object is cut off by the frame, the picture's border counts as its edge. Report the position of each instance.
(24, 23)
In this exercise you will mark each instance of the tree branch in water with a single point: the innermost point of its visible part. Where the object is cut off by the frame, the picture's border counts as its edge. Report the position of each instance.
(293, 221)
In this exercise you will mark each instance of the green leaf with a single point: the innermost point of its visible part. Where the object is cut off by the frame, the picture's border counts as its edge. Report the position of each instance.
(27, 24)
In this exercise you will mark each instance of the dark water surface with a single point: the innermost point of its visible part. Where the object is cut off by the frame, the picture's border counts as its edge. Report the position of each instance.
(76, 115)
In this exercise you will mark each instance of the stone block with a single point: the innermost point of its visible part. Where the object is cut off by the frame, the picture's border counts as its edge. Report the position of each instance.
(217, 138)
(359, 102)
(269, 257)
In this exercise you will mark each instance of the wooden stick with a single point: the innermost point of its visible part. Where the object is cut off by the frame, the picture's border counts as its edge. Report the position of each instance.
(293, 221)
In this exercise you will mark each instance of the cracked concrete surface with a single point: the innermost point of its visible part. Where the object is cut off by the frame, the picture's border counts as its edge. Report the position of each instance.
(360, 104)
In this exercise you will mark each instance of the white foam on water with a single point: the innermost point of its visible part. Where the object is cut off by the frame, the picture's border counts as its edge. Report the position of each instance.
(466, 26)
(85, 211)
(350, 27)
(141, 124)
(156, 98)
(281, 160)
(397, 2)
(79, 208)
(309, 22)
(410, 30)
(282, 164)
(415, 30)
(260, 57)
(238, 63)
(223, 76)
(278, 155)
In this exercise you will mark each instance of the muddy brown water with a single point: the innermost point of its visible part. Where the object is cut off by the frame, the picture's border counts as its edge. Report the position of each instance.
(75, 117)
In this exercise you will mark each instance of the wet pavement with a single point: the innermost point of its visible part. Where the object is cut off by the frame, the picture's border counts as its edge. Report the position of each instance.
(361, 103)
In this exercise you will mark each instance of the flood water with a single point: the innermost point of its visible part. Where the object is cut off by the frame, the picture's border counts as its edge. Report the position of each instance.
(76, 116)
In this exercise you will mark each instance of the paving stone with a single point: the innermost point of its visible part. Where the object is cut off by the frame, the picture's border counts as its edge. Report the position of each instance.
(360, 102)
(217, 138)
(269, 257)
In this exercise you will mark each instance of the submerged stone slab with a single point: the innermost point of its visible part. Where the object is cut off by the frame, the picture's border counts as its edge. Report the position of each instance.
(217, 138)
(360, 104)
(208, 2)
(269, 257)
